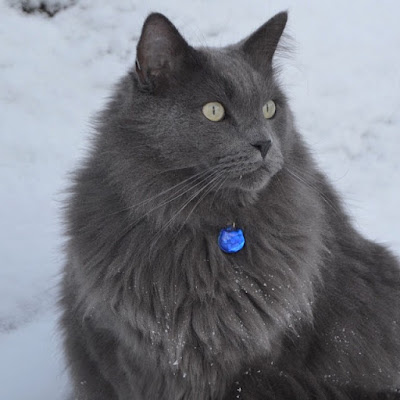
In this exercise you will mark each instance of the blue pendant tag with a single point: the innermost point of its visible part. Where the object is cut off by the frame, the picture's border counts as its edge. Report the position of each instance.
(231, 239)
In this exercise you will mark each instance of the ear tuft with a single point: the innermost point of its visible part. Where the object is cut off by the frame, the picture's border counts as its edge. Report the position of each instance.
(260, 46)
(161, 51)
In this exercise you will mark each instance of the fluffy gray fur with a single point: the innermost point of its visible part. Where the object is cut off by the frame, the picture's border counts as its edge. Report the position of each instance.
(153, 309)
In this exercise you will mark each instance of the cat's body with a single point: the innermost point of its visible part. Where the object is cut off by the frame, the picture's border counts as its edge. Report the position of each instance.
(153, 309)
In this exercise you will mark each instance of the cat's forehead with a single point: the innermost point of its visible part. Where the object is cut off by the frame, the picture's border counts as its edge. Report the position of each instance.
(235, 72)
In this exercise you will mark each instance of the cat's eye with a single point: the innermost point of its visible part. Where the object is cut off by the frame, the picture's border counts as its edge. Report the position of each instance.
(214, 111)
(269, 109)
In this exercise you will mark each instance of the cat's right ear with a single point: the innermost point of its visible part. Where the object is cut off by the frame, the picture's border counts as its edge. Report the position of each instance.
(162, 54)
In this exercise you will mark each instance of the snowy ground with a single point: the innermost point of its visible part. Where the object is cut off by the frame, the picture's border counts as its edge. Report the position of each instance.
(343, 79)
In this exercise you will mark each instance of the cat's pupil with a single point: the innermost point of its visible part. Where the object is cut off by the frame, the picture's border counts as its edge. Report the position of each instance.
(213, 110)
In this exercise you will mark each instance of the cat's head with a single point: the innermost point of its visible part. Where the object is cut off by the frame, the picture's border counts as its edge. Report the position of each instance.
(215, 112)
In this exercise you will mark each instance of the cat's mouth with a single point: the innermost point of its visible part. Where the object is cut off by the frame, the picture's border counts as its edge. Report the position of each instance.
(254, 179)
(250, 174)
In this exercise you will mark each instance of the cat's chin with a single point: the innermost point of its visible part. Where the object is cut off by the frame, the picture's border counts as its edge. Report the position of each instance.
(253, 181)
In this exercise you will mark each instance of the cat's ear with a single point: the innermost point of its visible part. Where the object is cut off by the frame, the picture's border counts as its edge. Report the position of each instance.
(161, 53)
(260, 46)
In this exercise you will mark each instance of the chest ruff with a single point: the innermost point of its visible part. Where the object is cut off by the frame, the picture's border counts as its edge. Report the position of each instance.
(201, 309)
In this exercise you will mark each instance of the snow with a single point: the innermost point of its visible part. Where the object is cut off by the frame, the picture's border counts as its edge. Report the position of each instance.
(343, 80)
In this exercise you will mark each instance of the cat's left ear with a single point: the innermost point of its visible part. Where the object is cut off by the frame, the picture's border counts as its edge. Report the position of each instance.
(162, 53)
(260, 46)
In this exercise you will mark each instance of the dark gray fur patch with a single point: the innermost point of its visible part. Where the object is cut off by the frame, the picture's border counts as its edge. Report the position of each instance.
(152, 309)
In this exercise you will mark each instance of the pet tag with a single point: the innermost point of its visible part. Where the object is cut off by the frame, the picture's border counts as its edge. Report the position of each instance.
(231, 239)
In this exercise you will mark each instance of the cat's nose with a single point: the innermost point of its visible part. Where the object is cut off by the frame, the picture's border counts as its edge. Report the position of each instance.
(263, 146)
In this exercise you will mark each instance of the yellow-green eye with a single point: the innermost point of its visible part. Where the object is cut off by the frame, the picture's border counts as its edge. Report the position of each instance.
(214, 111)
(269, 109)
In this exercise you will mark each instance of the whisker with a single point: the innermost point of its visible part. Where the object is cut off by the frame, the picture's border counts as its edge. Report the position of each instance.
(316, 189)
(157, 237)
(213, 186)
(219, 187)
(185, 184)
(164, 171)
(216, 176)
(177, 194)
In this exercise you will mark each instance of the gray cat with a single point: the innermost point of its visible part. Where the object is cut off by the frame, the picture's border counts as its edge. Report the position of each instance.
(208, 258)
